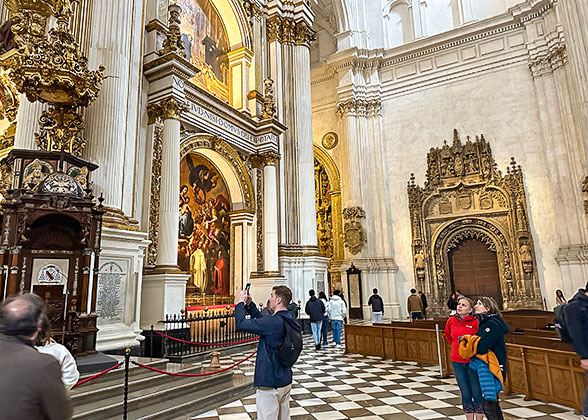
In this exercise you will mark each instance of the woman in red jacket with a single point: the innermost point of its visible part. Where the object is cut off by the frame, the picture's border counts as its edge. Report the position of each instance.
(463, 323)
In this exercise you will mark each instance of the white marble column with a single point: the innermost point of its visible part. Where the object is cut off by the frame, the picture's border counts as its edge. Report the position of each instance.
(167, 248)
(107, 117)
(270, 213)
(27, 123)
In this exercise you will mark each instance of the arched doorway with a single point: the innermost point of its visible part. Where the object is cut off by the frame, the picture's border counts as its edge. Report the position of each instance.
(474, 270)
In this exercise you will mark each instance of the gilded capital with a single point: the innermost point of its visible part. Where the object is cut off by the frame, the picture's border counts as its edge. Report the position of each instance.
(287, 30)
(270, 158)
(170, 108)
(256, 161)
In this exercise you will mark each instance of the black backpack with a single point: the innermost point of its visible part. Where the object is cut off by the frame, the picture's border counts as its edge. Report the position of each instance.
(561, 324)
(291, 348)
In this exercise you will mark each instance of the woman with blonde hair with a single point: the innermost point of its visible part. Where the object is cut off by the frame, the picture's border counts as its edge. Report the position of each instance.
(458, 325)
(45, 344)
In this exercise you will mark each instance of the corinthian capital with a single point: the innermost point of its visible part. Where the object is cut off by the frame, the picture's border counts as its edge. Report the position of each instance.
(270, 158)
(170, 108)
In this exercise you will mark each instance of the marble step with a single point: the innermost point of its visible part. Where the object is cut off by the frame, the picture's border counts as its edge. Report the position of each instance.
(139, 380)
(145, 400)
(116, 377)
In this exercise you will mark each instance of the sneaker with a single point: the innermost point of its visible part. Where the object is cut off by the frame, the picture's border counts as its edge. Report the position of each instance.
(317, 346)
(337, 346)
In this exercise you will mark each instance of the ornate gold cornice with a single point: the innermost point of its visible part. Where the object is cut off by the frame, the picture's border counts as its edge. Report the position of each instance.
(169, 108)
(287, 30)
(173, 42)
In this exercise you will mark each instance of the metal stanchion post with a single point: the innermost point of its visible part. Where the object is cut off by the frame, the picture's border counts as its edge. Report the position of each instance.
(126, 389)
(151, 344)
(439, 350)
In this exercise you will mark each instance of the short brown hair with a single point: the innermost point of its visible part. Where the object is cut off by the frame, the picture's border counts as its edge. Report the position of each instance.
(490, 304)
(284, 293)
(44, 335)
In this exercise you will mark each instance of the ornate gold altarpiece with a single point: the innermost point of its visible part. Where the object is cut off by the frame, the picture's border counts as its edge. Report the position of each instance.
(464, 197)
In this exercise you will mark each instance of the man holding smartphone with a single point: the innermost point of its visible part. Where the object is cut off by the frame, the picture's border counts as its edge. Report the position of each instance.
(272, 379)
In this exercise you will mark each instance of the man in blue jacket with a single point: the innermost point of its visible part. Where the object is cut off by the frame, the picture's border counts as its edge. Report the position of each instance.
(577, 320)
(272, 379)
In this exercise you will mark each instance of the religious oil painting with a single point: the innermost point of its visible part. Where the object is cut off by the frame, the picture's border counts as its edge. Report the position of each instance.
(204, 231)
(206, 45)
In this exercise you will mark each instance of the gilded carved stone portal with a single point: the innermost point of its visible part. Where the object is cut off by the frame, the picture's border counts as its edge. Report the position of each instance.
(466, 197)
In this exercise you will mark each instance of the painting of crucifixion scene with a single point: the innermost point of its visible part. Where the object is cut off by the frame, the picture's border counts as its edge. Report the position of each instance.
(206, 45)
(204, 231)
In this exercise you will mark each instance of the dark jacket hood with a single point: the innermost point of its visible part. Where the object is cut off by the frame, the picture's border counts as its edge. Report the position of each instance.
(494, 320)
(580, 297)
(289, 319)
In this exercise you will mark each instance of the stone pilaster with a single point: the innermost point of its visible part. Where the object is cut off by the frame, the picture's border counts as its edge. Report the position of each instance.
(270, 212)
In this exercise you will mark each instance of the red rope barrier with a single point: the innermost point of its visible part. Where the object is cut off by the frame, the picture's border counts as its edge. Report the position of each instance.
(191, 375)
(207, 344)
(97, 375)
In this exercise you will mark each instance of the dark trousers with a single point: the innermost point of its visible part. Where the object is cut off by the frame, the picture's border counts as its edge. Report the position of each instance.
(492, 410)
(325, 330)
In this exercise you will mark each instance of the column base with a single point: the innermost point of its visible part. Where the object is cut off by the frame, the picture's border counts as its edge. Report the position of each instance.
(304, 268)
(163, 294)
(118, 301)
(262, 283)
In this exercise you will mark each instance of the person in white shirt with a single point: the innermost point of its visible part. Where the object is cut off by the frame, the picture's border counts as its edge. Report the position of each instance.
(337, 311)
(45, 344)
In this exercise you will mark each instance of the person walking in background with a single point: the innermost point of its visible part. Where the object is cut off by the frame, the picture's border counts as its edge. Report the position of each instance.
(342, 296)
(452, 304)
(458, 325)
(315, 309)
(415, 305)
(559, 298)
(425, 304)
(337, 312)
(377, 304)
(577, 324)
(325, 325)
(293, 309)
(45, 344)
(30, 382)
(272, 379)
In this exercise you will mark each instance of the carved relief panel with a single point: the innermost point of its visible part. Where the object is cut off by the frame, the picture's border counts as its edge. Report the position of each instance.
(466, 197)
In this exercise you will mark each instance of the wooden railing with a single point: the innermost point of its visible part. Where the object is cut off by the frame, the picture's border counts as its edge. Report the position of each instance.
(539, 366)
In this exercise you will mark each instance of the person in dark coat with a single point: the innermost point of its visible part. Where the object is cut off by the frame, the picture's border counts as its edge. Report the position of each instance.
(315, 309)
(577, 323)
(452, 303)
(425, 304)
(30, 382)
(272, 379)
(377, 304)
(491, 330)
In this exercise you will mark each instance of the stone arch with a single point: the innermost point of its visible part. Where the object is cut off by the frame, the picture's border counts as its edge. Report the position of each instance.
(450, 235)
(398, 22)
(230, 164)
(236, 24)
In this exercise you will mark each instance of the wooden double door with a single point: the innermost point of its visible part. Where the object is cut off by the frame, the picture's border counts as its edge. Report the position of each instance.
(474, 270)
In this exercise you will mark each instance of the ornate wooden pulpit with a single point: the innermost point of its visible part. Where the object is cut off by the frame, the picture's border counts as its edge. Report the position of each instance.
(50, 240)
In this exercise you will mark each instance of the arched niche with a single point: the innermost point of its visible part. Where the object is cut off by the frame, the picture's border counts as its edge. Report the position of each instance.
(398, 23)
(242, 199)
(324, 164)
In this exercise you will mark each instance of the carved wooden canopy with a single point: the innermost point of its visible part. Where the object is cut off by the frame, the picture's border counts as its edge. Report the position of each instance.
(466, 197)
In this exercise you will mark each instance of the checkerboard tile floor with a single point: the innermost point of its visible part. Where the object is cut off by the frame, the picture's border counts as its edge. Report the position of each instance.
(330, 385)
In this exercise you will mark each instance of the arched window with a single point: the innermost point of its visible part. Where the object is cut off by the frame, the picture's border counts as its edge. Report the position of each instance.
(398, 23)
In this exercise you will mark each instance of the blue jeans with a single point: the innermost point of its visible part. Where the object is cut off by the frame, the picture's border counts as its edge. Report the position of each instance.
(316, 331)
(585, 411)
(325, 330)
(471, 394)
(337, 326)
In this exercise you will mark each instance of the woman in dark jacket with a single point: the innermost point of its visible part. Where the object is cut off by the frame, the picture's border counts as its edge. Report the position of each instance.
(491, 329)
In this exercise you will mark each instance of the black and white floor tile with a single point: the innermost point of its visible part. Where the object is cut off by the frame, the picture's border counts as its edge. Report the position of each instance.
(331, 385)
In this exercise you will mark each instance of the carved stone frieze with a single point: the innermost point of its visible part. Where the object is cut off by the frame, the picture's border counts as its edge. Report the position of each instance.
(353, 232)
(466, 197)
(252, 9)
(259, 210)
(155, 196)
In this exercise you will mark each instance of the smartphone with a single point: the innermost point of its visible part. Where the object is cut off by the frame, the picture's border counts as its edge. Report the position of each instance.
(247, 287)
